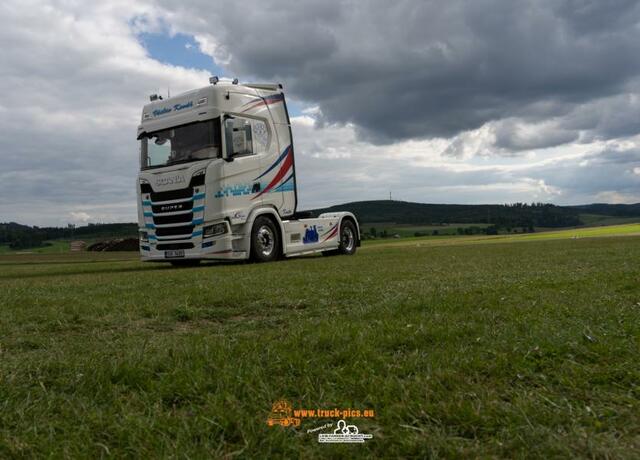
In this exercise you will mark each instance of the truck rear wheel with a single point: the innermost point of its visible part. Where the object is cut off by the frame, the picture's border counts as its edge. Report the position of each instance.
(348, 240)
(265, 240)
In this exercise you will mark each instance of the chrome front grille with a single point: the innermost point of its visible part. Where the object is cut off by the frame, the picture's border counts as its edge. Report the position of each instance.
(174, 231)
(174, 215)
(173, 218)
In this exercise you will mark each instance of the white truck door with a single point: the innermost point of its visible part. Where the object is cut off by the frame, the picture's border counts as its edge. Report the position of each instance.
(239, 189)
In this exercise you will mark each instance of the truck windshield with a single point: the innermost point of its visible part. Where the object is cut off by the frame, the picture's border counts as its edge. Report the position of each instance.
(181, 144)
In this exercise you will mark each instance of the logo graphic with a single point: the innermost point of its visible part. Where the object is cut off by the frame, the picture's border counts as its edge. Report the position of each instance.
(176, 107)
(281, 414)
(310, 235)
(344, 434)
(162, 111)
(171, 207)
(170, 180)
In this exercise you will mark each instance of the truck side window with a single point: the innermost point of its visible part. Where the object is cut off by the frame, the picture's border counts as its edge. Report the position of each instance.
(260, 136)
(238, 136)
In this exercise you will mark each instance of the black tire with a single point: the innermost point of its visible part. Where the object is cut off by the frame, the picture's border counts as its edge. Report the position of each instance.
(265, 240)
(186, 263)
(348, 238)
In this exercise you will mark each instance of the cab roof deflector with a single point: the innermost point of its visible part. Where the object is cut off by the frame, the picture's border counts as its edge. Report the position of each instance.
(267, 86)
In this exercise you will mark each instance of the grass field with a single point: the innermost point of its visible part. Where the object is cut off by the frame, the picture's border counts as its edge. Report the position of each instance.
(57, 246)
(596, 219)
(464, 347)
(405, 230)
(409, 230)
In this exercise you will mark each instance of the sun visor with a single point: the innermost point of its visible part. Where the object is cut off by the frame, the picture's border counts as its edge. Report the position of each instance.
(178, 119)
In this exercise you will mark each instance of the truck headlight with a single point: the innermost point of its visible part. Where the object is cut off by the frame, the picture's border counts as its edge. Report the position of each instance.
(144, 236)
(214, 230)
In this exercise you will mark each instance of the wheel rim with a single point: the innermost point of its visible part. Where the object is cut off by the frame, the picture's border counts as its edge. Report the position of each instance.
(348, 240)
(265, 241)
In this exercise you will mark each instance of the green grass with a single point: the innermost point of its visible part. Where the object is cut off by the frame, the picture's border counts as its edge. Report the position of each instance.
(587, 232)
(463, 348)
(597, 219)
(55, 246)
(573, 233)
(406, 230)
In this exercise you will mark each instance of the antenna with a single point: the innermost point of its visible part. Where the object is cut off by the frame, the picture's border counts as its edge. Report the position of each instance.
(389, 195)
(168, 92)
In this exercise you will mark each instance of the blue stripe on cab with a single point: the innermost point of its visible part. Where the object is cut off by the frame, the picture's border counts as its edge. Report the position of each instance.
(280, 158)
(285, 186)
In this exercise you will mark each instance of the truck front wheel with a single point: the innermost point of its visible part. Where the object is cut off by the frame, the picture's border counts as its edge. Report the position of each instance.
(265, 240)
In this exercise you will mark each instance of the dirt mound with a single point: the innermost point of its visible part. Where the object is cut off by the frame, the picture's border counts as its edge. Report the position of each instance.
(121, 244)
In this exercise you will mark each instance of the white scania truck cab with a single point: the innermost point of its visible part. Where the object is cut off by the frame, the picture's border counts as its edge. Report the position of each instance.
(217, 180)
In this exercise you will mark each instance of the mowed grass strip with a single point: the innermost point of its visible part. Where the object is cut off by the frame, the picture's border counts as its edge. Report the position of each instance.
(632, 229)
(490, 350)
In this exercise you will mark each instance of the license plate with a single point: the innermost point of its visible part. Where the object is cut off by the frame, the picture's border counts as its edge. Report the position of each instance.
(174, 253)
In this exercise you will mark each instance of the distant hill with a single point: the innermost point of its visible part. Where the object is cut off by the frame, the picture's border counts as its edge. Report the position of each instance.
(19, 236)
(513, 215)
(604, 209)
(518, 214)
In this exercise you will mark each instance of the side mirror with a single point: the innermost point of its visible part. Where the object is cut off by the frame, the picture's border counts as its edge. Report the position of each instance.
(239, 140)
(237, 135)
(227, 155)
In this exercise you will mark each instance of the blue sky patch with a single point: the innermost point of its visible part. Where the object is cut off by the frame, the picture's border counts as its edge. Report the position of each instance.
(178, 50)
(182, 50)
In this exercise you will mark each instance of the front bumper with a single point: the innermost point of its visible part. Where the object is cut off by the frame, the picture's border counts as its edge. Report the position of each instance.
(218, 247)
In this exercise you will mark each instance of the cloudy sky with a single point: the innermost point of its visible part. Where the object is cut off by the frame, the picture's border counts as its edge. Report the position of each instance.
(478, 101)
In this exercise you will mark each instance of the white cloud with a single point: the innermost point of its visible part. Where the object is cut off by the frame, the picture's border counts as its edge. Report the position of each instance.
(614, 197)
(75, 77)
(79, 216)
(74, 82)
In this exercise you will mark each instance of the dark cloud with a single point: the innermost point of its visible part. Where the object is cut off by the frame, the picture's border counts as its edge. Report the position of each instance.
(407, 69)
(511, 137)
